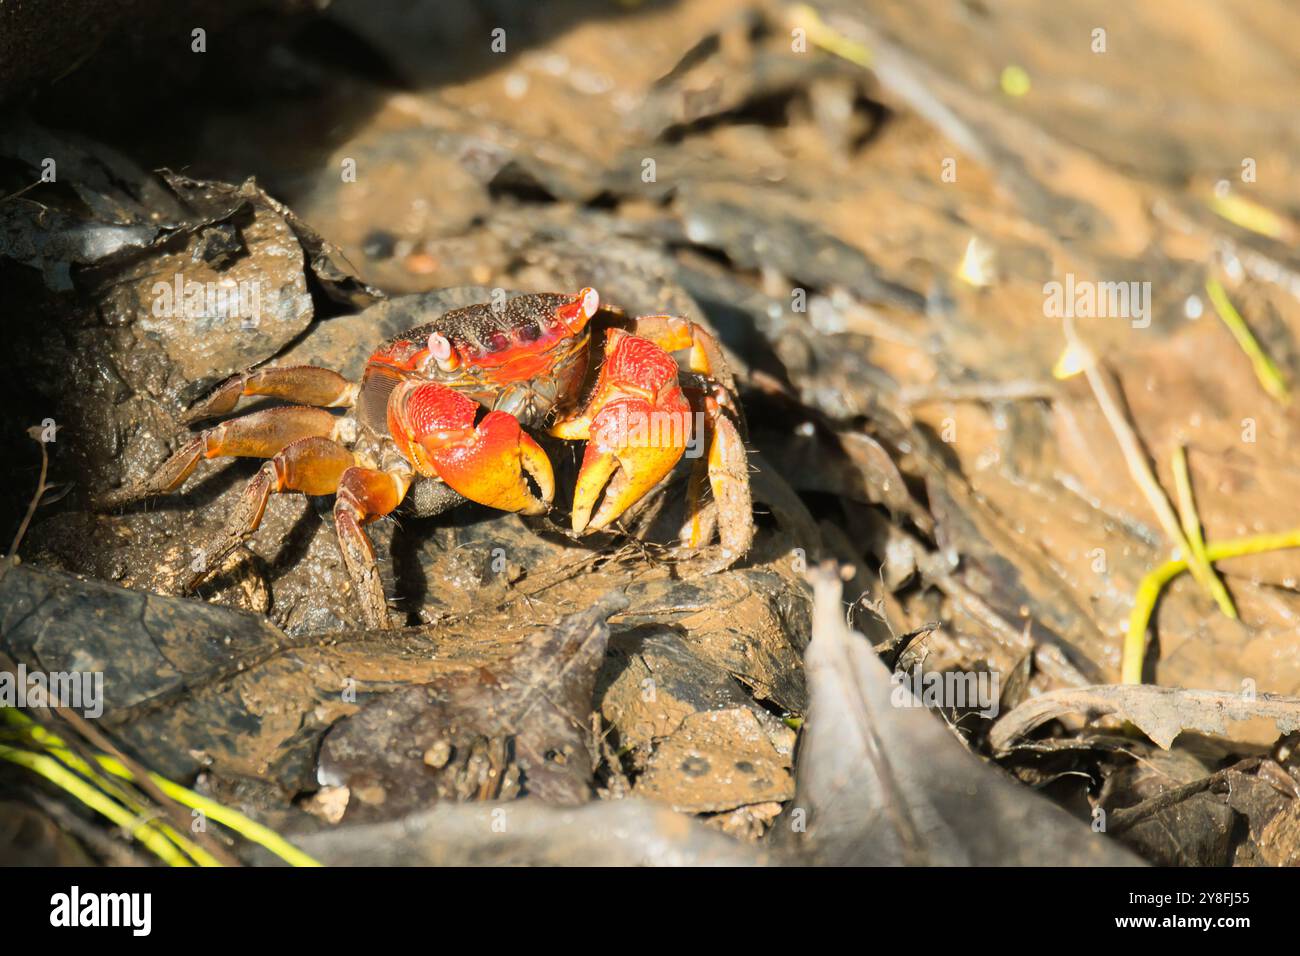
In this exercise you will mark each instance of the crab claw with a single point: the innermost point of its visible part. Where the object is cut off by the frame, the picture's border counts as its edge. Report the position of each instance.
(639, 423)
(484, 462)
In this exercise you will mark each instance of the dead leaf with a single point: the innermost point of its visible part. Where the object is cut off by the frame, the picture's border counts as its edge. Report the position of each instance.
(1162, 713)
(886, 785)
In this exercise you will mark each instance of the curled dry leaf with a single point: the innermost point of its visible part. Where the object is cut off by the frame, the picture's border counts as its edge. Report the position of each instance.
(1162, 713)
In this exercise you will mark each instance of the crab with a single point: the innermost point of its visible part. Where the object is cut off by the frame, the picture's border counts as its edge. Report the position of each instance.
(442, 414)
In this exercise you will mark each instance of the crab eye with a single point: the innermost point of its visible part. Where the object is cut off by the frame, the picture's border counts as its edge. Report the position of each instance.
(442, 352)
(575, 314)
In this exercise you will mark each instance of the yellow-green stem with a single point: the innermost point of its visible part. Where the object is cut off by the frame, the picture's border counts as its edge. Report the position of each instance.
(1149, 589)
(63, 778)
(233, 819)
(1268, 373)
(1191, 522)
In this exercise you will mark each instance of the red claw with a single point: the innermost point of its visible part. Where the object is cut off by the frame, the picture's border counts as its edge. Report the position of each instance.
(484, 462)
(637, 424)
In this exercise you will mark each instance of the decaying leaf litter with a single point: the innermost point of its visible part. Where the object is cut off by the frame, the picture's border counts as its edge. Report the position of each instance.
(896, 355)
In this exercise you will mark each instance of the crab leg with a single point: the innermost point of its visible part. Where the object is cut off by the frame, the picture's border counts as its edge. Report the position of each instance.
(301, 384)
(363, 495)
(485, 462)
(675, 334)
(259, 435)
(313, 466)
(636, 424)
(724, 469)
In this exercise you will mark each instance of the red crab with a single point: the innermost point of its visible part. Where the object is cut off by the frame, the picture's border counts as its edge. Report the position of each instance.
(440, 415)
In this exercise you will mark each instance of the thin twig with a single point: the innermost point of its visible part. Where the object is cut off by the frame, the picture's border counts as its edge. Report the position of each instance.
(139, 828)
(1134, 456)
(76, 755)
(987, 393)
(98, 840)
(180, 817)
(1129, 817)
(41, 488)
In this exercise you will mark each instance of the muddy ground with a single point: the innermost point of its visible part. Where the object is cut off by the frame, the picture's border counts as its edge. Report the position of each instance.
(869, 204)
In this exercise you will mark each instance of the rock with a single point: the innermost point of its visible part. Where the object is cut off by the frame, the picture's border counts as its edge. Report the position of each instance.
(717, 760)
(520, 728)
(651, 681)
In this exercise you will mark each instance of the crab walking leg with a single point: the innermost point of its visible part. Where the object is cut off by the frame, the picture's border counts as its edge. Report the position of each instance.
(636, 424)
(313, 466)
(363, 495)
(675, 334)
(258, 435)
(727, 470)
(301, 384)
(701, 512)
(724, 469)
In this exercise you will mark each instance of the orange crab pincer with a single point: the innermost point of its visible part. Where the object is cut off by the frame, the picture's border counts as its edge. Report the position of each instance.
(442, 414)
